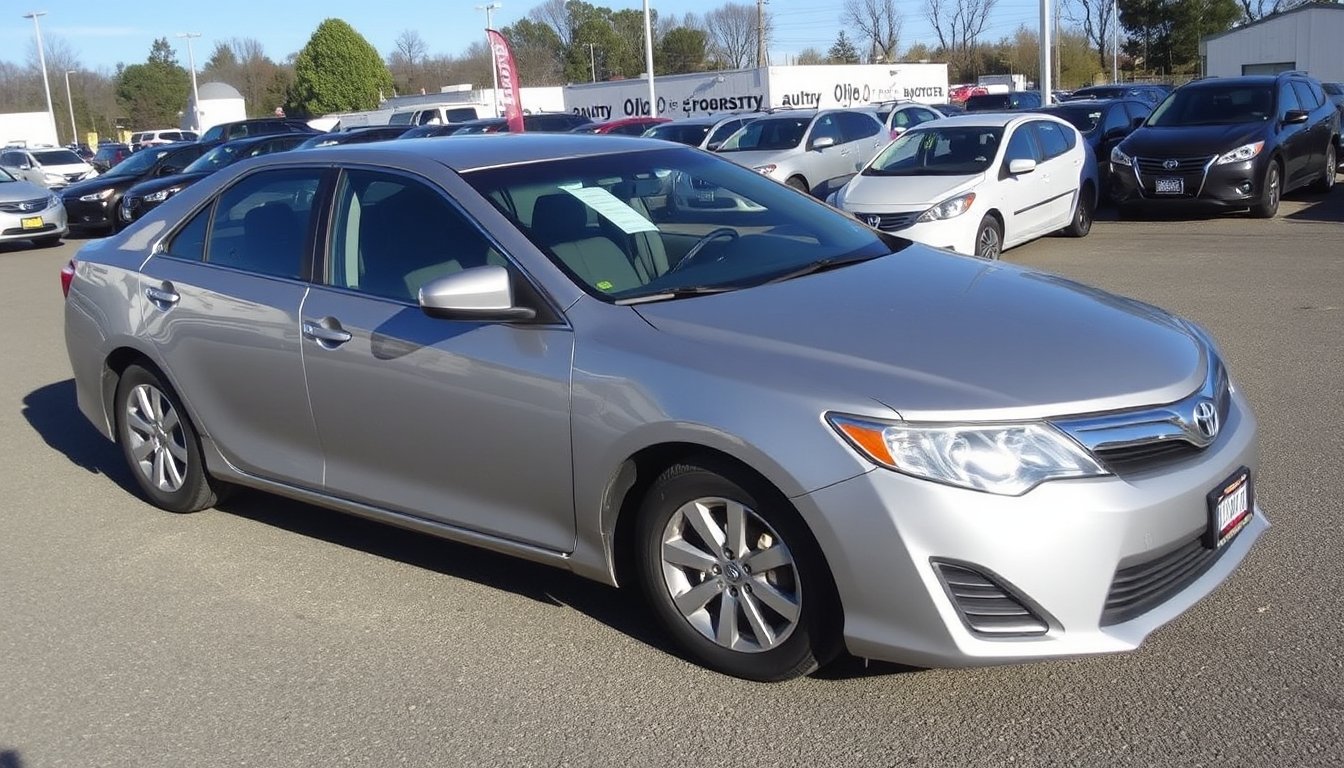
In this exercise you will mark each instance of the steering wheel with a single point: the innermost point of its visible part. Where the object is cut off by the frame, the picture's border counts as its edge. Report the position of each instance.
(700, 244)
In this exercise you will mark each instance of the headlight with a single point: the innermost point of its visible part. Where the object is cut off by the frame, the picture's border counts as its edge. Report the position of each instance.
(160, 196)
(949, 209)
(53, 200)
(1241, 154)
(1120, 158)
(1006, 459)
(835, 199)
(768, 168)
(96, 196)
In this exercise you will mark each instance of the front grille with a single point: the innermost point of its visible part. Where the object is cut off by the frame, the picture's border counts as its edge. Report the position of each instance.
(25, 206)
(985, 605)
(1192, 170)
(1135, 458)
(888, 222)
(1142, 587)
(1157, 165)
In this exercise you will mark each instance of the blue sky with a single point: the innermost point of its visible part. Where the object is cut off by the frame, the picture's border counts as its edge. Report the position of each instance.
(103, 33)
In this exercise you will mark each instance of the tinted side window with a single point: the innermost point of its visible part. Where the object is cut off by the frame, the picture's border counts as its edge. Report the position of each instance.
(1136, 110)
(261, 223)
(918, 115)
(1021, 146)
(12, 159)
(1287, 99)
(391, 235)
(1305, 97)
(1116, 120)
(189, 242)
(1052, 139)
(825, 126)
(724, 131)
(855, 126)
(214, 134)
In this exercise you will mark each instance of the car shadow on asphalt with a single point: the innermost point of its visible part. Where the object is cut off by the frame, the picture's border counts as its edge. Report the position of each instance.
(1327, 206)
(53, 414)
(10, 759)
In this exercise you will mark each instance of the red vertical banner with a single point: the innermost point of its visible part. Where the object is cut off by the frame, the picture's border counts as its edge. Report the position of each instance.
(508, 80)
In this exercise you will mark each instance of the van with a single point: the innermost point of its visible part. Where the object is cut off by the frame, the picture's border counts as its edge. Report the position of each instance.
(433, 114)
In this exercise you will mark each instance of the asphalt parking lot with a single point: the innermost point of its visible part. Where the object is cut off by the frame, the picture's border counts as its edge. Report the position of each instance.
(271, 633)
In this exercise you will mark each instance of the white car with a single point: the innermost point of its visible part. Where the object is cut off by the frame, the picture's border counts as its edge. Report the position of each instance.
(53, 167)
(147, 139)
(811, 151)
(978, 184)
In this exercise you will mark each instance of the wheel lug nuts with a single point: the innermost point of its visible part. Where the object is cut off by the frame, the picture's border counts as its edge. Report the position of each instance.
(746, 588)
(732, 591)
(714, 570)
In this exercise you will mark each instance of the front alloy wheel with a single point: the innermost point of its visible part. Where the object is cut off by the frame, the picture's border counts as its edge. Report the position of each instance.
(989, 239)
(1327, 180)
(733, 574)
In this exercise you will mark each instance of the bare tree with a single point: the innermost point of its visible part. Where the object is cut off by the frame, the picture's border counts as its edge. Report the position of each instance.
(1097, 18)
(732, 34)
(555, 14)
(410, 47)
(958, 23)
(879, 21)
(808, 56)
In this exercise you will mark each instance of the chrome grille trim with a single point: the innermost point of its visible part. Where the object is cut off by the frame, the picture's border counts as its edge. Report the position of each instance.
(889, 222)
(1144, 437)
(25, 206)
(1186, 167)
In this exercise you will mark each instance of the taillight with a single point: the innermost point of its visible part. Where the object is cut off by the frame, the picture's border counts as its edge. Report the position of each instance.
(67, 275)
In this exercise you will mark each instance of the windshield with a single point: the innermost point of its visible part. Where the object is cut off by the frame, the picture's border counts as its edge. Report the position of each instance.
(690, 135)
(1334, 89)
(57, 157)
(136, 164)
(768, 133)
(663, 223)
(938, 151)
(217, 158)
(1085, 119)
(1215, 105)
(486, 127)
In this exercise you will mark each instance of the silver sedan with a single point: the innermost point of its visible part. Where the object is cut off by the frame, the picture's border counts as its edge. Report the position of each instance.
(30, 212)
(793, 434)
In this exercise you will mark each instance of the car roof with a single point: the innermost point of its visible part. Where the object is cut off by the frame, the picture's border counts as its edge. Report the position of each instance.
(989, 119)
(1089, 103)
(247, 141)
(1214, 82)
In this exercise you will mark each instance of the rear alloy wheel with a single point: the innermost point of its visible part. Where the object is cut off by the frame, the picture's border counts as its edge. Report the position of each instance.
(160, 444)
(798, 183)
(1327, 180)
(1082, 215)
(989, 239)
(1269, 201)
(733, 575)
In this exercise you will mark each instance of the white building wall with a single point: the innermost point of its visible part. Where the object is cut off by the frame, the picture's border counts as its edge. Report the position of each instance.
(30, 128)
(1311, 40)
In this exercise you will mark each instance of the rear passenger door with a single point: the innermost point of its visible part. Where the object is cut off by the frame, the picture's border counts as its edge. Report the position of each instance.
(221, 302)
(864, 135)
(463, 423)
(1061, 167)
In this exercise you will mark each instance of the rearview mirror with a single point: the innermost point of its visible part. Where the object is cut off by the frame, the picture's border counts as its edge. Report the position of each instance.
(1295, 116)
(481, 294)
(822, 142)
(1021, 166)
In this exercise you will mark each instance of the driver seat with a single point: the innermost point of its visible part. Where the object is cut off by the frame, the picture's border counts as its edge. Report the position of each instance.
(560, 222)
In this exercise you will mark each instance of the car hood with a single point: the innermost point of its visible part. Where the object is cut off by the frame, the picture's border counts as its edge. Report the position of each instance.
(878, 193)
(154, 185)
(935, 336)
(18, 191)
(89, 186)
(754, 158)
(1190, 141)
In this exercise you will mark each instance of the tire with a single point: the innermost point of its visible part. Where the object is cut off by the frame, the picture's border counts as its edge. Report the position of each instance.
(775, 624)
(989, 239)
(49, 241)
(1327, 180)
(160, 445)
(1082, 215)
(1273, 190)
(799, 183)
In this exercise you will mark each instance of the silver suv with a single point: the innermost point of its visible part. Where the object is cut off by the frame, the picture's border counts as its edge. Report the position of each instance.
(812, 151)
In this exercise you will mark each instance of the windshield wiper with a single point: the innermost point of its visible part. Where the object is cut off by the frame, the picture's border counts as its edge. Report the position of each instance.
(820, 265)
(677, 293)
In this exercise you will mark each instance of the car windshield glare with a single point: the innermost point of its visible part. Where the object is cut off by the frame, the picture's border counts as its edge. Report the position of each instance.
(57, 157)
(682, 134)
(1085, 120)
(938, 151)
(135, 164)
(213, 160)
(664, 223)
(768, 134)
(1215, 105)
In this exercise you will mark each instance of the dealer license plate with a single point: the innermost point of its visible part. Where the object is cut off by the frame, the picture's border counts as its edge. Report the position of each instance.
(1171, 186)
(1230, 508)
(31, 222)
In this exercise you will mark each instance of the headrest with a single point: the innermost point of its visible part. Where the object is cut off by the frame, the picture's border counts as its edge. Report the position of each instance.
(560, 218)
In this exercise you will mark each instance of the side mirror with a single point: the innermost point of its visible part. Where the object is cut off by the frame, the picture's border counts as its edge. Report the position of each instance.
(1021, 166)
(822, 142)
(713, 146)
(483, 294)
(25, 166)
(1295, 116)
(168, 170)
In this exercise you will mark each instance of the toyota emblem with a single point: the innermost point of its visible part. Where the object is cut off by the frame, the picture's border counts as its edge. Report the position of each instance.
(1206, 419)
(1171, 165)
(874, 220)
(25, 206)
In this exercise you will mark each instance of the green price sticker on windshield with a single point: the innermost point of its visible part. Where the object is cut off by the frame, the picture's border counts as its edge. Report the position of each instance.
(604, 285)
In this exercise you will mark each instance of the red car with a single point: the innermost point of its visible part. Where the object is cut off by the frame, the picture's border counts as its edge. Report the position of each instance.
(628, 126)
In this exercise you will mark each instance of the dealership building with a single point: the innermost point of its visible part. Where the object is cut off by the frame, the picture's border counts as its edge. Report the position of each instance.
(1309, 37)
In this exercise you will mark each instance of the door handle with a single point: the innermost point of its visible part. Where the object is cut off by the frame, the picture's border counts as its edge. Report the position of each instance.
(164, 298)
(326, 334)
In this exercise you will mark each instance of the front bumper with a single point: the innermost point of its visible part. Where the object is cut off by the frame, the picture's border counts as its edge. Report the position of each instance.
(1056, 548)
(53, 223)
(84, 214)
(955, 234)
(1234, 185)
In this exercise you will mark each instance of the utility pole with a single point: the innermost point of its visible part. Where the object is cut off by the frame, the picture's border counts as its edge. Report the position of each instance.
(760, 33)
(195, 94)
(592, 60)
(42, 62)
(1044, 85)
(490, 48)
(1058, 65)
(648, 59)
(1115, 41)
(70, 101)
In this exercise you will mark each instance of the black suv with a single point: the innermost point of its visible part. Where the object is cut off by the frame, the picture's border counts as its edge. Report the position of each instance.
(257, 126)
(1235, 142)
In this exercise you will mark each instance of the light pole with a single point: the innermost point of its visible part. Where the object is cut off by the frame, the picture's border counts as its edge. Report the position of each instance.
(42, 62)
(195, 95)
(648, 59)
(70, 102)
(1115, 41)
(592, 61)
(489, 47)
(1043, 81)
